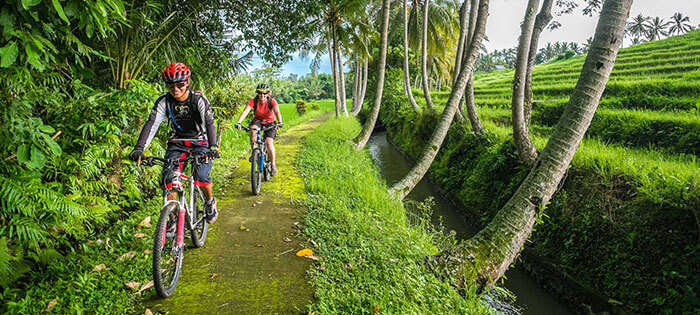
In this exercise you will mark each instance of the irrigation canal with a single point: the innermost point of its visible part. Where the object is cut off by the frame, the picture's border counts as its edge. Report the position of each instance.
(530, 297)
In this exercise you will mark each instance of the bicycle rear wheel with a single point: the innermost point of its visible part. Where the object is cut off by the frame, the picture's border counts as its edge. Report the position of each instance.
(167, 256)
(199, 220)
(255, 174)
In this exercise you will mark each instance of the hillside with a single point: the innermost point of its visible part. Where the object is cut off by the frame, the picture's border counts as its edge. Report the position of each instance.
(624, 224)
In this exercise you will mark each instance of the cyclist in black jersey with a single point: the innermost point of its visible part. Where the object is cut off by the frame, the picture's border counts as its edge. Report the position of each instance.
(192, 130)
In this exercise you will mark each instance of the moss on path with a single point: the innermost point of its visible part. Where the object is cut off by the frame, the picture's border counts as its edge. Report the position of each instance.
(245, 272)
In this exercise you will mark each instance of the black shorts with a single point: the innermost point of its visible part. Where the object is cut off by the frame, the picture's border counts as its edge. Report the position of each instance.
(181, 150)
(271, 133)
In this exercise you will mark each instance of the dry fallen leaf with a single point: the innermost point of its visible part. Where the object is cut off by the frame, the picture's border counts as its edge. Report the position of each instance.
(145, 223)
(139, 235)
(51, 305)
(148, 312)
(305, 252)
(128, 255)
(287, 239)
(258, 245)
(132, 284)
(147, 251)
(244, 228)
(100, 267)
(214, 275)
(376, 309)
(312, 257)
(145, 287)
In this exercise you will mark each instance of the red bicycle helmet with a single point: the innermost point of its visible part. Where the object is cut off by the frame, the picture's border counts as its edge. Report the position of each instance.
(176, 72)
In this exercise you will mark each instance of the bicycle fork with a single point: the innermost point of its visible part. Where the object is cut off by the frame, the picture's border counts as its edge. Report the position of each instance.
(180, 240)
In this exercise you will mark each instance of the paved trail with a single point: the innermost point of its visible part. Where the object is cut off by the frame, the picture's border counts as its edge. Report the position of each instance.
(245, 272)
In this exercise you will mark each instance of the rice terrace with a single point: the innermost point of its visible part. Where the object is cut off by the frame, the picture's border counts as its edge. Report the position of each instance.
(350, 157)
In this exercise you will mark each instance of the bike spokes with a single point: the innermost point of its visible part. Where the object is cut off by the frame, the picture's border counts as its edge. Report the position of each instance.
(167, 254)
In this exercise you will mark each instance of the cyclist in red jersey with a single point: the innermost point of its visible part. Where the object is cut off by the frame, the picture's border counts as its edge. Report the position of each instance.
(265, 110)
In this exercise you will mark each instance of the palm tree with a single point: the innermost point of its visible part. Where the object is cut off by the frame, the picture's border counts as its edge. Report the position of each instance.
(363, 137)
(657, 28)
(680, 24)
(521, 134)
(406, 74)
(491, 251)
(639, 26)
(408, 182)
(542, 20)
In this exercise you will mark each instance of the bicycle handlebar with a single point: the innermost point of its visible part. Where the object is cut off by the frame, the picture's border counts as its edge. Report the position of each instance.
(153, 160)
(269, 127)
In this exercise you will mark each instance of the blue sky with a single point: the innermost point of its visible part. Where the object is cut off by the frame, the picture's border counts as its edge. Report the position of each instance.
(503, 30)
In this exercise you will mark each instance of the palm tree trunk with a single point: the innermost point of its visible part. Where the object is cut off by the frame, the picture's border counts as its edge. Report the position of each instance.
(473, 115)
(526, 150)
(406, 75)
(462, 40)
(355, 85)
(424, 60)
(543, 18)
(341, 79)
(363, 137)
(469, 102)
(331, 53)
(363, 86)
(406, 184)
(489, 253)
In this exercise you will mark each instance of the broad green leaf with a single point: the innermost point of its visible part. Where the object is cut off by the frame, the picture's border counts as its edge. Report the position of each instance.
(59, 10)
(33, 57)
(7, 19)
(29, 3)
(47, 129)
(8, 55)
(38, 159)
(23, 154)
(54, 148)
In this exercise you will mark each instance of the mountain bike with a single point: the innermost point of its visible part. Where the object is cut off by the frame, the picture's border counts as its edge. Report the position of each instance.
(260, 164)
(176, 215)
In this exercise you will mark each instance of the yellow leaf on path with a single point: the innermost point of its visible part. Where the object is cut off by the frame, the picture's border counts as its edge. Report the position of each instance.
(132, 284)
(305, 252)
(51, 305)
(258, 245)
(128, 255)
(139, 235)
(145, 223)
(244, 228)
(148, 312)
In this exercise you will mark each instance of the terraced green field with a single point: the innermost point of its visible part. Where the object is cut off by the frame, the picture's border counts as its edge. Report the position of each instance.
(626, 222)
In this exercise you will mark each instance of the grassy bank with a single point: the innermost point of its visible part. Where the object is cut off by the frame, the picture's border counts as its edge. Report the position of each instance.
(92, 275)
(371, 259)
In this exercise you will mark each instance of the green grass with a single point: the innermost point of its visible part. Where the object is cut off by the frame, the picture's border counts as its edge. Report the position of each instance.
(71, 279)
(371, 258)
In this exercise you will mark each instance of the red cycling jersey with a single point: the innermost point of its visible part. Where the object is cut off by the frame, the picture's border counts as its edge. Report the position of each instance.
(263, 112)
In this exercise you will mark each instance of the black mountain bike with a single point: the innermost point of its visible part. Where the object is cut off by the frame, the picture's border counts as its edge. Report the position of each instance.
(260, 164)
(176, 215)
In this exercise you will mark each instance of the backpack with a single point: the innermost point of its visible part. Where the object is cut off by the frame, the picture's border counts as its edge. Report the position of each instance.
(192, 105)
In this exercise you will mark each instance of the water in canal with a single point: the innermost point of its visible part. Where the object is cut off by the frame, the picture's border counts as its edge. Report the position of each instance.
(530, 298)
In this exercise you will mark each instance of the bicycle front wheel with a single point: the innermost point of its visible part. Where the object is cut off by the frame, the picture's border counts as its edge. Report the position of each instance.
(199, 220)
(255, 174)
(167, 255)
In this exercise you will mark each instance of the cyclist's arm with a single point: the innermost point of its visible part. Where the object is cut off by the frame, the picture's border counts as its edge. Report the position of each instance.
(276, 109)
(151, 127)
(245, 112)
(207, 117)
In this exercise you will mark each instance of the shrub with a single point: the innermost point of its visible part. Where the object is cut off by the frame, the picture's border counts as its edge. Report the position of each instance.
(301, 107)
(314, 106)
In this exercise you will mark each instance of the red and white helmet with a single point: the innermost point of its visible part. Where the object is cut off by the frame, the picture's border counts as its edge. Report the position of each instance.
(176, 72)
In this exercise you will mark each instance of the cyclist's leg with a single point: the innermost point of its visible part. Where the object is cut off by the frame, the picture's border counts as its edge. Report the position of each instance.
(202, 179)
(255, 125)
(174, 151)
(270, 136)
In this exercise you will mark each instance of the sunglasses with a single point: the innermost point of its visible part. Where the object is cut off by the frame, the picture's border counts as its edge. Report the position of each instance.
(262, 91)
(179, 85)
